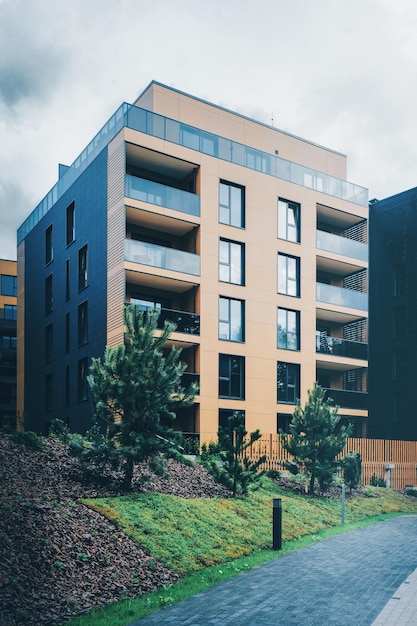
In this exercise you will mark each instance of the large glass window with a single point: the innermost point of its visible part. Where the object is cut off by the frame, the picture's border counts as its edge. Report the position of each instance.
(224, 418)
(49, 390)
(231, 262)
(82, 268)
(288, 275)
(8, 285)
(231, 204)
(231, 376)
(49, 298)
(288, 382)
(49, 254)
(288, 329)
(231, 319)
(288, 220)
(70, 223)
(10, 312)
(83, 323)
(49, 336)
(82, 379)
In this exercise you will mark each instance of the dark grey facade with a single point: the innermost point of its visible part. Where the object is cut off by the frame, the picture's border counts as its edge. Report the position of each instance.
(393, 317)
(65, 304)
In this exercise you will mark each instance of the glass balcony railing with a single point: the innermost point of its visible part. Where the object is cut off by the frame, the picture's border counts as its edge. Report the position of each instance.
(208, 143)
(162, 195)
(342, 297)
(187, 378)
(334, 346)
(348, 399)
(161, 257)
(185, 322)
(342, 245)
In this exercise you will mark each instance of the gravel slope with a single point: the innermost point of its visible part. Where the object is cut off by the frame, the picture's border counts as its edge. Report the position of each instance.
(59, 558)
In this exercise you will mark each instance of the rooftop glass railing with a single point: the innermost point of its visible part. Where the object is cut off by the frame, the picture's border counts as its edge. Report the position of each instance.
(161, 257)
(162, 195)
(342, 297)
(342, 245)
(208, 143)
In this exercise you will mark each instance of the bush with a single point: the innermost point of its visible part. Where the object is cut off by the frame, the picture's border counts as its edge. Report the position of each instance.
(59, 430)
(377, 482)
(28, 439)
(410, 491)
(352, 469)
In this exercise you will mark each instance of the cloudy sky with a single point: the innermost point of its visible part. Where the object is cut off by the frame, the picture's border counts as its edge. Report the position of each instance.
(341, 73)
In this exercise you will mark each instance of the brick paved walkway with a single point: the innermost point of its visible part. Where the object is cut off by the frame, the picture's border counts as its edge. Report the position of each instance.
(345, 580)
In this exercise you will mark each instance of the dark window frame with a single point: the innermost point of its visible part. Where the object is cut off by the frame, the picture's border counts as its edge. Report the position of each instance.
(229, 264)
(228, 323)
(288, 382)
(288, 278)
(49, 245)
(70, 224)
(285, 210)
(230, 379)
(283, 342)
(83, 323)
(83, 267)
(227, 210)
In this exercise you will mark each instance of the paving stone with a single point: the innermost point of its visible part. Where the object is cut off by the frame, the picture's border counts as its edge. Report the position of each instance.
(341, 581)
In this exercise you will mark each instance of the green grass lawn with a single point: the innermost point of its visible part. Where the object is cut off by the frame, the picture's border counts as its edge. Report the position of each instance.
(209, 540)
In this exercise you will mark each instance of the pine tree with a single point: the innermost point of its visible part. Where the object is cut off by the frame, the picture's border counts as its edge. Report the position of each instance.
(235, 471)
(135, 389)
(316, 438)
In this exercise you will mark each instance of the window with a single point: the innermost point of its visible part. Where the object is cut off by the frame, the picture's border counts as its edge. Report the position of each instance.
(48, 343)
(399, 280)
(67, 385)
(82, 379)
(231, 204)
(224, 418)
(49, 299)
(67, 333)
(288, 275)
(49, 254)
(83, 323)
(67, 280)
(49, 388)
(231, 319)
(231, 262)
(288, 329)
(231, 376)
(82, 268)
(8, 285)
(288, 220)
(8, 343)
(283, 422)
(288, 382)
(10, 312)
(70, 223)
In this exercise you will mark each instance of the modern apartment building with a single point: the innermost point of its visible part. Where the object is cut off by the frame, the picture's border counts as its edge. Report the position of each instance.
(8, 317)
(249, 238)
(393, 308)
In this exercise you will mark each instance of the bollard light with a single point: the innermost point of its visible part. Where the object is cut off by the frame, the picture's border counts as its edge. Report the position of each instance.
(277, 524)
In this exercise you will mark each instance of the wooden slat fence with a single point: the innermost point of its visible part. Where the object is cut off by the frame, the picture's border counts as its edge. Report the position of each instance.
(376, 454)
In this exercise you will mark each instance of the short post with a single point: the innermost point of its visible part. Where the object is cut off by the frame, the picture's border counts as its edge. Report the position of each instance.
(277, 524)
(343, 502)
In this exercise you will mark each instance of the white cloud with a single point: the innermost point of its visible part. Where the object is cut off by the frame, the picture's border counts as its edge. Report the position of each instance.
(340, 74)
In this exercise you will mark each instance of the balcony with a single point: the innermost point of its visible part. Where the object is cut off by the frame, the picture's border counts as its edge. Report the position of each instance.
(188, 377)
(161, 257)
(348, 399)
(334, 346)
(185, 322)
(341, 245)
(341, 297)
(161, 195)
